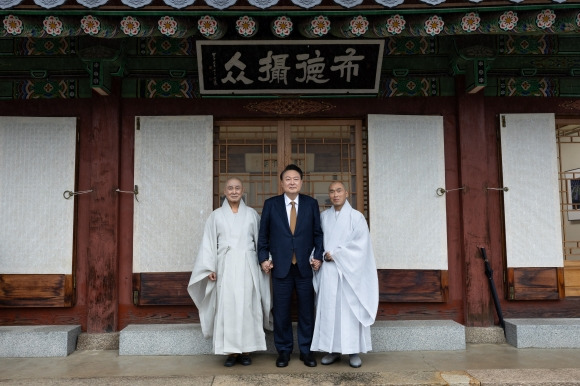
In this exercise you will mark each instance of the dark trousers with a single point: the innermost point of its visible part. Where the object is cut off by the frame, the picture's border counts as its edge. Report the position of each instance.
(282, 302)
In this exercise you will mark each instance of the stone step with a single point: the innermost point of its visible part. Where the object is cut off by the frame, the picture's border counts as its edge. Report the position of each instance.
(163, 339)
(418, 335)
(187, 339)
(543, 332)
(38, 341)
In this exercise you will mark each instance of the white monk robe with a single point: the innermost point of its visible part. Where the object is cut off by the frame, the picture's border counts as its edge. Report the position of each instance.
(236, 307)
(347, 289)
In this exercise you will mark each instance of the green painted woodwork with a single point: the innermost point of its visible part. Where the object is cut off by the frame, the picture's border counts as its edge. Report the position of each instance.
(161, 67)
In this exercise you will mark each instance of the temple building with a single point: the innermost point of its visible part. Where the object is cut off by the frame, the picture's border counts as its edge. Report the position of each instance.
(455, 125)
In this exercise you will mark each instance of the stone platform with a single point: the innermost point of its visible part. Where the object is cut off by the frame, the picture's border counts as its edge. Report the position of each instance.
(163, 339)
(543, 332)
(418, 335)
(387, 336)
(187, 339)
(38, 341)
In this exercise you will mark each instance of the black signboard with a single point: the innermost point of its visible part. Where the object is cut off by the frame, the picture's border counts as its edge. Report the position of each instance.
(289, 67)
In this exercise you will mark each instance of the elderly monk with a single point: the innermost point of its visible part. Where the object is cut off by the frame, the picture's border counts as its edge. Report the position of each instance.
(230, 291)
(347, 290)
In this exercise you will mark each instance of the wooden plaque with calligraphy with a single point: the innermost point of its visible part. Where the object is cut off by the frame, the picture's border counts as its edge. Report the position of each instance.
(289, 67)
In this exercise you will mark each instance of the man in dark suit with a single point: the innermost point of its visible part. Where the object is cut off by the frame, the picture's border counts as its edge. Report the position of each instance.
(290, 233)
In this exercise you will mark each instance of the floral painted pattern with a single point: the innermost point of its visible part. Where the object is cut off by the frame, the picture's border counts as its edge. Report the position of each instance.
(246, 26)
(90, 25)
(207, 25)
(52, 25)
(578, 19)
(470, 22)
(13, 25)
(130, 26)
(283, 26)
(358, 25)
(434, 25)
(396, 24)
(508, 20)
(320, 25)
(167, 26)
(545, 19)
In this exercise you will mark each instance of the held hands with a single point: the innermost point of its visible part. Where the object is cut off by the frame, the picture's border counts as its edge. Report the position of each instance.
(315, 264)
(267, 266)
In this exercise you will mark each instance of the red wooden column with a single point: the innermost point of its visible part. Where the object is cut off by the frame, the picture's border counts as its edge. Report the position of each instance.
(102, 265)
(474, 171)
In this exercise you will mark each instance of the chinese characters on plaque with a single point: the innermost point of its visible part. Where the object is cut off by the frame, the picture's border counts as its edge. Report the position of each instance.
(293, 67)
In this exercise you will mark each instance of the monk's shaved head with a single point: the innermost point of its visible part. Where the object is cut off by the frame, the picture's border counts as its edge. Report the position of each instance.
(234, 190)
(337, 193)
(334, 183)
(234, 179)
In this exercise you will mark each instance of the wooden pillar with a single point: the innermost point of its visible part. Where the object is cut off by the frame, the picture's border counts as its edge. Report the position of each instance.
(102, 265)
(474, 174)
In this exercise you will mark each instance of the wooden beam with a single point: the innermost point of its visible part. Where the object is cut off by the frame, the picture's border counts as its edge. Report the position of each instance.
(476, 216)
(102, 264)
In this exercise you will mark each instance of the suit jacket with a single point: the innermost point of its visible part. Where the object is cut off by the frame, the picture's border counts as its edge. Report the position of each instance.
(276, 239)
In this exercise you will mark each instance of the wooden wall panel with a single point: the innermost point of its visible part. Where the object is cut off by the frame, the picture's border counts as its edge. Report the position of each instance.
(54, 290)
(170, 288)
(535, 283)
(162, 288)
(572, 278)
(401, 285)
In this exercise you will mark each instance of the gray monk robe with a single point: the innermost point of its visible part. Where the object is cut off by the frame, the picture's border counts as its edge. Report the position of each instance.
(235, 308)
(347, 289)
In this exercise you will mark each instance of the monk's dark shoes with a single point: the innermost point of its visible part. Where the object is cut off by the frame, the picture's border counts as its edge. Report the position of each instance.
(231, 360)
(245, 359)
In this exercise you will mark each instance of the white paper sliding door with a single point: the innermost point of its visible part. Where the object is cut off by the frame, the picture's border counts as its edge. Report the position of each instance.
(174, 175)
(532, 202)
(406, 167)
(37, 165)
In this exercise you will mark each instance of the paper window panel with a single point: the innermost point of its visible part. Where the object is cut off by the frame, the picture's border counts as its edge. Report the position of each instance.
(406, 167)
(174, 175)
(37, 165)
(532, 204)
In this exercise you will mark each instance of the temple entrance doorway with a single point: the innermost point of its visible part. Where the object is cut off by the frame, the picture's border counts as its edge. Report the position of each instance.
(256, 152)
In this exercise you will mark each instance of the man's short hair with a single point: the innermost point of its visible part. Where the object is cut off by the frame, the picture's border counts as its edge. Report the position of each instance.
(292, 167)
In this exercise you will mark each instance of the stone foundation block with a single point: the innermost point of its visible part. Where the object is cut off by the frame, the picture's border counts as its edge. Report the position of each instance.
(38, 341)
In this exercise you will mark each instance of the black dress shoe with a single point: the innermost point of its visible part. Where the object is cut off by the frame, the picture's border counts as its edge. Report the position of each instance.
(231, 360)
(245, 359)
(308, 359)
(283, 359)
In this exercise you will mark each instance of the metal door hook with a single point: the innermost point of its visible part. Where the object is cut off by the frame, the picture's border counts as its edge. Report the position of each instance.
(442, 191)
(68, 194)
(134, 192)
